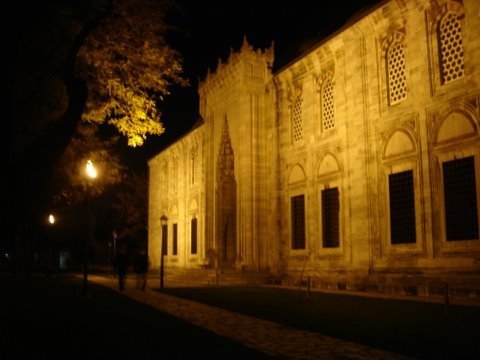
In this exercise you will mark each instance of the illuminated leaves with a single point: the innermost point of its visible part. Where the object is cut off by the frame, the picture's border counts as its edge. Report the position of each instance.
(129, 68)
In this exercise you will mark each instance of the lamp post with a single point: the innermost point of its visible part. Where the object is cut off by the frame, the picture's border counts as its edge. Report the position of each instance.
(91, 174)
(114, 251)
(51, 221)
(163, 223)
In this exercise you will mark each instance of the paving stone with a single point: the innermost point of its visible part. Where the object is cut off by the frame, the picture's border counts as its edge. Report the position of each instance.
(271, 338)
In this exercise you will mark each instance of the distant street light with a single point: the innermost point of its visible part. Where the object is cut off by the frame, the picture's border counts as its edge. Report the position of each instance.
(51, 221)
(91, 174)
(163, 223)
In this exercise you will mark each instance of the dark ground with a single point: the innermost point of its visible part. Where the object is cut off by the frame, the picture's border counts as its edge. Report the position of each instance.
(48, 318)
(412, 328)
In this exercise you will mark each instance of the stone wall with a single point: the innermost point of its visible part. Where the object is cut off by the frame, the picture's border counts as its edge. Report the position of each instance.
(176, 190)
(334, 167)
(389, 103)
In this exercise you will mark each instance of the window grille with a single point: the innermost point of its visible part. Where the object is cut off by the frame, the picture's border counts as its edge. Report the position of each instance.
(297, 121)
(397, 81)
(460, 193)
(298, 221)
(175, 239)
(402, 208)
(330, 218)
(450, 48)
(328, 108)
(164, 239)
(194, 236)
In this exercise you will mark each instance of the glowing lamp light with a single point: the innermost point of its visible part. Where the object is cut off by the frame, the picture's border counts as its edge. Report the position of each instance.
(91, 171)
(51, 219)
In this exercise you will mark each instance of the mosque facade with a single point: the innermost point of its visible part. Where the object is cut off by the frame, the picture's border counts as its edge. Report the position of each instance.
(357, 163)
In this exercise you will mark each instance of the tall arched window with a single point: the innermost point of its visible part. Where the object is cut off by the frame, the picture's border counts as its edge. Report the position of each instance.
(450, 47)
(401, 174)
(296, 182)
(396, 76)
(297, 204)
(193, 236)
(297, 120)
(194, 166)
(327, 99)
(330, 185)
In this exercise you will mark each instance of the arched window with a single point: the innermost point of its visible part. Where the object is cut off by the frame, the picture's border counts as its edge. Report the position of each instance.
(296, 181)
(328, 104)
(450, 47)
(330, 184)
(297, 204)
(396, 77)
(297, 120)
(399, 159)
(193, 236)
(194, 166)
(456, 179)
(330, 217)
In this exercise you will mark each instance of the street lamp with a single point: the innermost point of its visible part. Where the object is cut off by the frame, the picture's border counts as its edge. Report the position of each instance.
(91, 174)
(163, 223)
(51, 221)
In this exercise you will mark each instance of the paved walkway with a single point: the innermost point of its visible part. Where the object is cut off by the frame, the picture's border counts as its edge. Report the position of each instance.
(266, 336)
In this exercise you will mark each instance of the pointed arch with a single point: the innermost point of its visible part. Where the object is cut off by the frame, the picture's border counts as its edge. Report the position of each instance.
(297, 175)
(328, 165)
(226, 202)
(193, 205)
(174, 211)
(400, 143)
(455, 125)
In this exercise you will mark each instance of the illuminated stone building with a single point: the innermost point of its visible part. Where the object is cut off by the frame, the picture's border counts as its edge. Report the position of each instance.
(357, 163)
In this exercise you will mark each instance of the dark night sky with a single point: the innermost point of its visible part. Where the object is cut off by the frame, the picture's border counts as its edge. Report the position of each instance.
(208, 29)
(205, 30)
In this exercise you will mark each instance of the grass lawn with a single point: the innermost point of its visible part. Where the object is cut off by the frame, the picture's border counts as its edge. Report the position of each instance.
(417, 329)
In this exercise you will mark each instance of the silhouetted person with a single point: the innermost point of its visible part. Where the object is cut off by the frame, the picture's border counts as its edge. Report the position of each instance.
(140, 267)
(122, 266)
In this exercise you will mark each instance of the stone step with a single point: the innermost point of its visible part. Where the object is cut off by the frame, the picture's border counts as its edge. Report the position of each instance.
(205, 277)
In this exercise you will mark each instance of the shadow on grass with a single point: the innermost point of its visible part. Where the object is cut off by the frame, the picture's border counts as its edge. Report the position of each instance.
(417, 329)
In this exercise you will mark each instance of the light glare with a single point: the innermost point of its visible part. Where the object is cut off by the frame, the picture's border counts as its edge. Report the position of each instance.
(91, 171)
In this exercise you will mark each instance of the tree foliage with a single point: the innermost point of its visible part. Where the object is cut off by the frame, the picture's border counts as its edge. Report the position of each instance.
(129, 68)
(102, 61)
(131, 207)
(41, 41)
(88, 144)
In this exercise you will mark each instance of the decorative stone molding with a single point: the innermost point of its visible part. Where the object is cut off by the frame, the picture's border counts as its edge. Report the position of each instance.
(453, 133)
